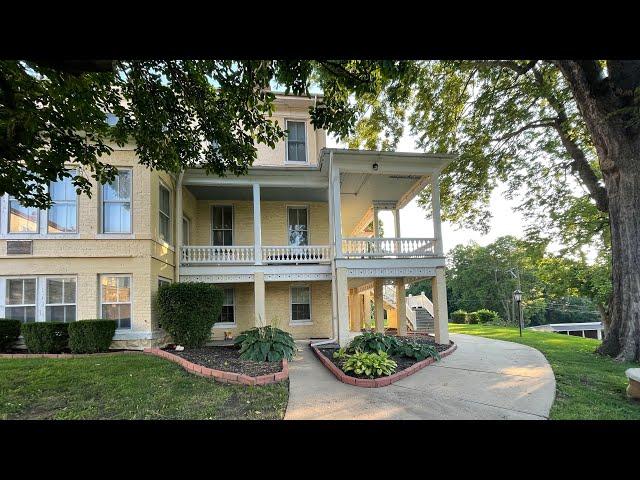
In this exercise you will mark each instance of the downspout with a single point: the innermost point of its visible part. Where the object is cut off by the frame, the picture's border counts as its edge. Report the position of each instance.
(334, 294)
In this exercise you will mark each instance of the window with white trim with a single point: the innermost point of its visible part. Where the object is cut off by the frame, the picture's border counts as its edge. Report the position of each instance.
(222, 225)
(298, 225)
(163, 281)
(22, 219)
(185, 230)
(296, 142)
(115, 296)
(227, 315)
(62, 217)
(300, 304)
(20, 299)
(60, 303)
(164, 214)
(116, 204)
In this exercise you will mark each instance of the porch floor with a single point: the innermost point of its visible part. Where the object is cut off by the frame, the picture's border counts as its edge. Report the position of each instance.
(483, 379)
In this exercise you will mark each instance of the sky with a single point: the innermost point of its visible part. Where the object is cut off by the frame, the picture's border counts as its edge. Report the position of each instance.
(505, 220)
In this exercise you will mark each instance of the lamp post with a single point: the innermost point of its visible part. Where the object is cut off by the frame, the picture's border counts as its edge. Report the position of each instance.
(517, 297)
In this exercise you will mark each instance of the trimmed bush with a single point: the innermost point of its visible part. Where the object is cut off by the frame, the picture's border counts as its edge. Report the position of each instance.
(472, 318)
(187, 311)
(46, 337)
(91, 336)
(9, 333)
(265, 344)
(459, 316)
(487, 316)
(370, 364)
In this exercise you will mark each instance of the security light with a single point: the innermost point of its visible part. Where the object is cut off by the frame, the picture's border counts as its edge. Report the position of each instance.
(375, 167)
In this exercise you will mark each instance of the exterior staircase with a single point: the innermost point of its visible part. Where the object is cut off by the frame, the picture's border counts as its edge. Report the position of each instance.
(419, 310)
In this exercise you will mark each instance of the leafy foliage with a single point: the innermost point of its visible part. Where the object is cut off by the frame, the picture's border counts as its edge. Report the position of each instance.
(188, 310)
(340, 354)
(46, 337)
(266, 344)
(472, 318)
(487, 316)
(459, 316)
(373, 342)
(179, 113)
(418, 351)
(9, 333)
(370, 364)
(91, 336)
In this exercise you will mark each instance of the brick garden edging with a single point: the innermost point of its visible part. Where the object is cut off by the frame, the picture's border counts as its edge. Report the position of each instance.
(378, 382)
(67, 355)
(219, 375)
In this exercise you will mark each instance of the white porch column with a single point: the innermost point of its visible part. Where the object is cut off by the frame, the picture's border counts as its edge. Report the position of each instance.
(378, 302)
(259, 299)
(375, 221)
(441, 319)
(337, 219)
(435, 206)
(178, 228)
(342, 292)
(257, 225)
(396, 221)
(401, 307)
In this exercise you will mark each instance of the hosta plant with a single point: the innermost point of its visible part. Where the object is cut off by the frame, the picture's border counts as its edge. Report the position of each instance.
(265, 344)
(340, 354)
(373, 342)
(370, 364)
(416, 350)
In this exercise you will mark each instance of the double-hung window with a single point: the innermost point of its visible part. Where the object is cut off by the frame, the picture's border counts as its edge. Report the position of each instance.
(298, 226)
(61, 300)
(164, 214)
(20, 299)
(300, 304)
(222, 225)
(62, 216)
(115, 294)
(296, 142)
(22, 219)
(116, 204)
(228, 311)
(185, 231)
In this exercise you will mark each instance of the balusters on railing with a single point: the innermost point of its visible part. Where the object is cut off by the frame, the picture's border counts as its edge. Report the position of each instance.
(388, 247)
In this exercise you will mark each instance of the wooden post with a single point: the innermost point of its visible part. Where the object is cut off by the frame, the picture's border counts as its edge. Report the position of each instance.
(441, 319)
(435, 206)
(401, 307)
(378, 301)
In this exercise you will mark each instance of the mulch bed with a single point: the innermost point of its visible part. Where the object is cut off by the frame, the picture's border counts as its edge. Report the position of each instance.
(226, 358)
(403, 362)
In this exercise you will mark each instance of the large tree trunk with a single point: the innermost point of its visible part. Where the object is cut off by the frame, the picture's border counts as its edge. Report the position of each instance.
(605, 103)
(623, 187)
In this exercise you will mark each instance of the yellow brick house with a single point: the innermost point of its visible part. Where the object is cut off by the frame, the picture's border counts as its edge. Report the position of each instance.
(294, 242)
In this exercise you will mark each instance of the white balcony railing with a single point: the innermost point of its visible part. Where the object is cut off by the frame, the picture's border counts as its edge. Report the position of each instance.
(217, 254)
(376, 247)
(297, 254)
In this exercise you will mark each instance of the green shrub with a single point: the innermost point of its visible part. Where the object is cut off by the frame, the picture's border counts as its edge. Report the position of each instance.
(340, 354)
(9, 333)
(265, 344)
(46, 337)
(372, 342)
(472, 318)
(187, 311)
(416, 350)
(370, 364)
(487, 316)
(91, 336)
(459, 316)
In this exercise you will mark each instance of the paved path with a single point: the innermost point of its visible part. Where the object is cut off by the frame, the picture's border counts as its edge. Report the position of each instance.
(482, 379)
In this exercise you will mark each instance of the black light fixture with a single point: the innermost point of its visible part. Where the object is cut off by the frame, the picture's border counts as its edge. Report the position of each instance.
(375, 167)
(517, 297)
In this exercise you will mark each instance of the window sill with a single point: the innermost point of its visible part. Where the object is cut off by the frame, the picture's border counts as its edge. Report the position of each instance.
(225, 325)
(38, 236)
(300, 324)
(115, 236)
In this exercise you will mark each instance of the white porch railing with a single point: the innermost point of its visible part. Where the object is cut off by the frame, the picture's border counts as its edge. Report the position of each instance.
(363, 247)
(217, 254)
(298, 254)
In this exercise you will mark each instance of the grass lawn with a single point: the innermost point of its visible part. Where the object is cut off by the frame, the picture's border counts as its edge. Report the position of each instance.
(127, 387)
(588, 386)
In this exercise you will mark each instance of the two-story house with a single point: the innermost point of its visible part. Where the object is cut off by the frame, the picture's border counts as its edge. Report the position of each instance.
(295, 242)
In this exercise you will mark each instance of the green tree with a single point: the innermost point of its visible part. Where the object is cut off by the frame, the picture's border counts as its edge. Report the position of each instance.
(178, 113)
(563, 135)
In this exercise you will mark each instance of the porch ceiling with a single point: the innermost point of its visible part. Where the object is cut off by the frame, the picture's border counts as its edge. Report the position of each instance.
(236, 192)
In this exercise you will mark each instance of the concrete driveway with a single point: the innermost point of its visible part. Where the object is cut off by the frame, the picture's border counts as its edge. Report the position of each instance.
(483, 379)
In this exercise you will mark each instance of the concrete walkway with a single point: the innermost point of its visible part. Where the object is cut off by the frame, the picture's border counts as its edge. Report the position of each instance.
(482, 380)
